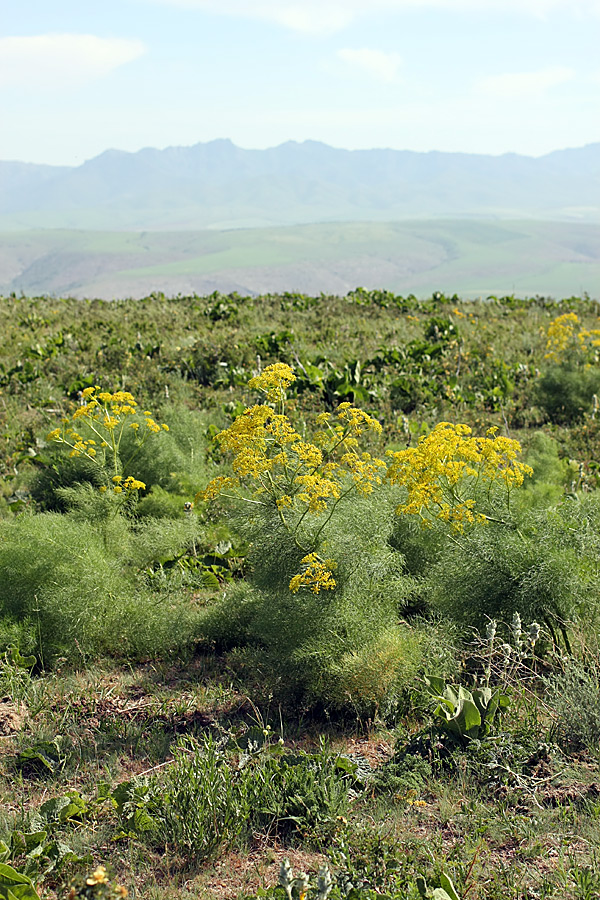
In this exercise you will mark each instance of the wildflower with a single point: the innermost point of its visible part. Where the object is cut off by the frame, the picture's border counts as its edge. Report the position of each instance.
(214, 488)
(490, 631)
(132, 484)
(560, 333)
(100, 876)
(274, 381)
(533, 633)
(317, 575)
(446, 464)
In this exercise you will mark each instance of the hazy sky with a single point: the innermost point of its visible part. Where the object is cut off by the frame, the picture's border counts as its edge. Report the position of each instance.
(483, 76)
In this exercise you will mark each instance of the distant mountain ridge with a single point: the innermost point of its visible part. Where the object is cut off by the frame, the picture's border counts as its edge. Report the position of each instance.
(219, 185)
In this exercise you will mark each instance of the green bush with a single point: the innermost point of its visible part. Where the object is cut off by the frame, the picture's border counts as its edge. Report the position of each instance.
(341, 649)
(211, 796)
(574, 698)
(68, 587)
(196, 806)
(565, 392)
(49, 482)
(543, 569)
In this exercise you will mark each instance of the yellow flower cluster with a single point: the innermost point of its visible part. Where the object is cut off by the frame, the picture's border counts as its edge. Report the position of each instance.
(316, 575)
(447, 465)
(589, 337)
(128, 485)
(560, 334)
(561, 337)
(98, 877)
(274, 381)
(105, 415)
(274, 465)
(269, 452)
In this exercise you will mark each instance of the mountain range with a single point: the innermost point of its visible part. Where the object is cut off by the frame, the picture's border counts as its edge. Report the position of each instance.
(218, 185)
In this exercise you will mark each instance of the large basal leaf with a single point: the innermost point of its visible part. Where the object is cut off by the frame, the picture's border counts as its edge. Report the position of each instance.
(14, 886)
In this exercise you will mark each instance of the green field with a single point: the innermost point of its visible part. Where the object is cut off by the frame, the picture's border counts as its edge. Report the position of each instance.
(472, 257)
(305, 578)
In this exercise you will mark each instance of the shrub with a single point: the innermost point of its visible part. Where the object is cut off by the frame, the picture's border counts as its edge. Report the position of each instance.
(565, 392)
(542, 569)
(68, 588)
(339, 649)
(574, 698)
(196, 808)
(211, 796)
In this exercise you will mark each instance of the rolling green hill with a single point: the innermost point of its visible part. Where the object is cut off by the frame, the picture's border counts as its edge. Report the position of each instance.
(467, 256)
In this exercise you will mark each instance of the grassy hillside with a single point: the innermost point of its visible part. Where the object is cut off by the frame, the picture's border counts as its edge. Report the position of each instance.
(475, 258)
(305, 578)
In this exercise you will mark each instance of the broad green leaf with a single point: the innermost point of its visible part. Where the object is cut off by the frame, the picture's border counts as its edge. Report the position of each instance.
(15, 886)
(63, 808)
(14, 657)
(435, 684)
(448, 887)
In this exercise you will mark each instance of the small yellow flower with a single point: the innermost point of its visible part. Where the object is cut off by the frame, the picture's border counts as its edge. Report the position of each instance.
(100, 876)
(317, 575)
(132, 484)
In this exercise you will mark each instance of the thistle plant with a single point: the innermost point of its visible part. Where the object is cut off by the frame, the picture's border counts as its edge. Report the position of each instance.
(296, 887)
(105, 417)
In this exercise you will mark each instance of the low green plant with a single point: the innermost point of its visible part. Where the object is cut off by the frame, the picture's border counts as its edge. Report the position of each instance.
(15, 886)
(296, 793)
(573, 697)
(197, 808)
(466, 714)
(211, 796)
(540, 566)
(324, 885)
(15, 674)
(38, 846)
(70, 587)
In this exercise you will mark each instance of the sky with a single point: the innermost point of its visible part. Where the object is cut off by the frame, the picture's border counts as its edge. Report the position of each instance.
(78, 77)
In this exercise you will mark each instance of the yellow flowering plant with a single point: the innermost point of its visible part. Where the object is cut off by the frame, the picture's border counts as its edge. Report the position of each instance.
(104, 416)
(99, 885)
(275, 467)
(566, 339)
(448, 476)
(449, 472)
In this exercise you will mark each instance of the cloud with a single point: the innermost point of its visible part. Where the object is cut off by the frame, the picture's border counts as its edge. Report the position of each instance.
(524, 84)
(380, 65)
(58, 60)
(327, 16)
